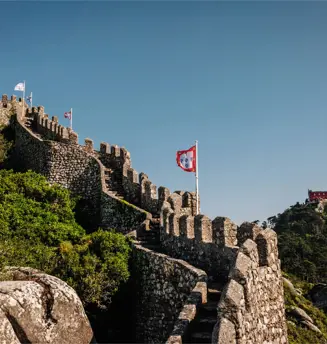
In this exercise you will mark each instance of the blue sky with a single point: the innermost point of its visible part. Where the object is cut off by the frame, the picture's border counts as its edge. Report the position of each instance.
(248, 80)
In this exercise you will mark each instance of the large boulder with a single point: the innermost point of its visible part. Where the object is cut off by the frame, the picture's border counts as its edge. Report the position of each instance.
(39, 308)
(318, 295)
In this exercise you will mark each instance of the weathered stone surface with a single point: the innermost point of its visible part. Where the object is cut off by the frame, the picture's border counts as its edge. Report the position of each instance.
(224, 332)
(167, 291)
(194, 240)
(301, 314)
(310, 326)
(253, 300)
(4, 115)
(39, 308)
(289, 285)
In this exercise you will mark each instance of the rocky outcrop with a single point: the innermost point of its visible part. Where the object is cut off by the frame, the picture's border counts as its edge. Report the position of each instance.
(304, 319)
(289, 285)
(318, 295)
(39, 308)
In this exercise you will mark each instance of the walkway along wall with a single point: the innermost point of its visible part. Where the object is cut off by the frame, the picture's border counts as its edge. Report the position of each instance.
(251, 309)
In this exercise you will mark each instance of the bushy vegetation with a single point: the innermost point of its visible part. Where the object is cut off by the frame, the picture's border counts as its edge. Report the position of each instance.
(6, 143)
(302, 244)
(38, 229)
(302, 241)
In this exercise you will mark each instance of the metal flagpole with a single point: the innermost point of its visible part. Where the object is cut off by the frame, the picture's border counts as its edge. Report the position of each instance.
(23, 100)
(71, 118)
(197, 178)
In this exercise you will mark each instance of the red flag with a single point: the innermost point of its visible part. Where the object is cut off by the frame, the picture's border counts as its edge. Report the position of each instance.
(186, 159)
(68, 114)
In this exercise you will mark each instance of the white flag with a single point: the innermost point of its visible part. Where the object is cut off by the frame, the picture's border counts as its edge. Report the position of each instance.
(20, 87)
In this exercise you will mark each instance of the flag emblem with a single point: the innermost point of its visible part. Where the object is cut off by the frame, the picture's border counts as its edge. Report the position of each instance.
(186, 159)
(20, 87)
(68, 114)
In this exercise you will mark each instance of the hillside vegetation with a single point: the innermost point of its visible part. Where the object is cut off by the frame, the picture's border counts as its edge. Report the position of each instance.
(302, 243)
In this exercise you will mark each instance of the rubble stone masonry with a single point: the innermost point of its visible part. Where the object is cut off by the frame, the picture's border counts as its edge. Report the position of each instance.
(163, 286)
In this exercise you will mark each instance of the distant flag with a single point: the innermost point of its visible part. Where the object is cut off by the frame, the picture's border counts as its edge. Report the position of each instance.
(20, 87)
(186, 159)
(69, 115)
(30, 98)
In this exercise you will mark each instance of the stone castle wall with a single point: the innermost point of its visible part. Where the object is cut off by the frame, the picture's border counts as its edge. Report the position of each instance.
(165, 288)
(251, 309)
(71, 166)
(209, 245)
(218, 247)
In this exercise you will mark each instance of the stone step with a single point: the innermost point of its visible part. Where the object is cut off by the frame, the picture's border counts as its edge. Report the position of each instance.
(203, 324)
(148, 236)
(214, 291)
(152, 247)
(208, 309)
(150, 242)
(215, 285)
(201, 337)
(213, 295)
(148, 239)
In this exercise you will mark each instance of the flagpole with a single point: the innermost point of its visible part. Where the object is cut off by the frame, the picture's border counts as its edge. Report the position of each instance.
(197, 179)
(23, 100)
(71, 118)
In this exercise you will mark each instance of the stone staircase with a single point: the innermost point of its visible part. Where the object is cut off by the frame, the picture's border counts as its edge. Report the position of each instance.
(200, 329)
(28, 121)
(114, 185)
(150, 238)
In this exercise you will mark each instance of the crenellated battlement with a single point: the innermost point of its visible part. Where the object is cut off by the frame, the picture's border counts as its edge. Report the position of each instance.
(113, 156)
(221, 231)
(244, 257)
(251, 305)
(210, 244)
(50, 129)
(136, 187)
(140, 190)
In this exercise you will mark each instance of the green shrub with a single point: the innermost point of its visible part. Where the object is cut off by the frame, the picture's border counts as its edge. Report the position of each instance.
(38, 229)
(5, 144)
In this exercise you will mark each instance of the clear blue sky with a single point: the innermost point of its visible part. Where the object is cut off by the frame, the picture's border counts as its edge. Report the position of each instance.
(248, 80)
